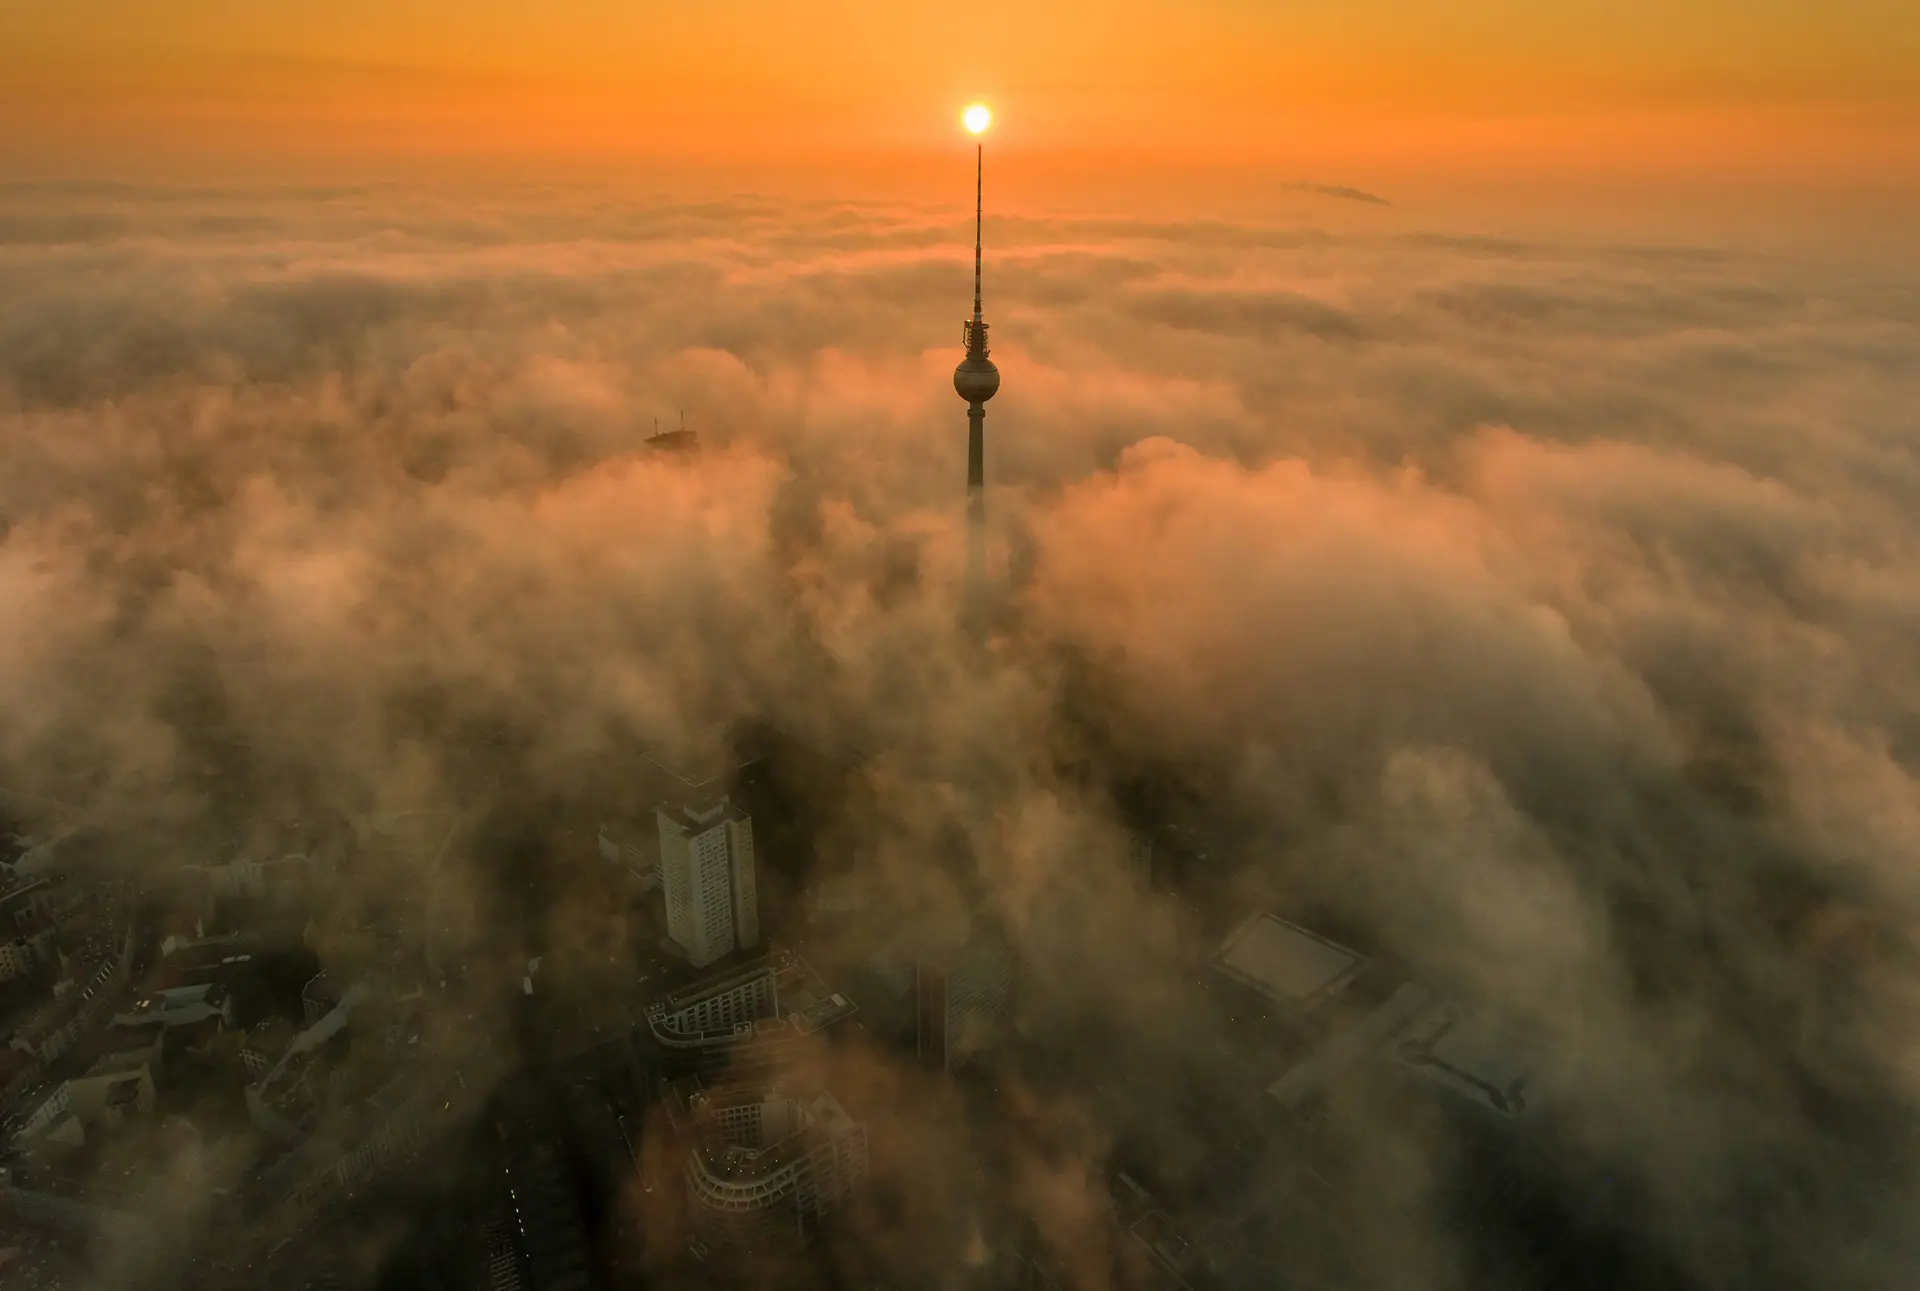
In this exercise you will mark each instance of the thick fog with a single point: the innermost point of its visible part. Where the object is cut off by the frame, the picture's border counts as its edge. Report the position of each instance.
(1550, 611)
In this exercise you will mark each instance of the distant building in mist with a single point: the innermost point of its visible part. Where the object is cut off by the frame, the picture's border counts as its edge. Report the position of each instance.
(24, 954)
(682, 441)
(767, 1161)
(706, 871)
(960, 995)
(25, 903)
(90, 981)
(617, 847)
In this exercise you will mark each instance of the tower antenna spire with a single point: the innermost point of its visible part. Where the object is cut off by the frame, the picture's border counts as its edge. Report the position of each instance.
(979, 167)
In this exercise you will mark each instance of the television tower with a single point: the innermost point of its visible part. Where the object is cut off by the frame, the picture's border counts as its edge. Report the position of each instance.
(976, 380)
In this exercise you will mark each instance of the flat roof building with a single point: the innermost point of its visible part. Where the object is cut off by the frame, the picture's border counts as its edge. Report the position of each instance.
(1286, 963)
(1471, 1058)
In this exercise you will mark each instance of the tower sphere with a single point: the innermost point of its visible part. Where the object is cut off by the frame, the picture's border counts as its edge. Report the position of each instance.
(976, 379)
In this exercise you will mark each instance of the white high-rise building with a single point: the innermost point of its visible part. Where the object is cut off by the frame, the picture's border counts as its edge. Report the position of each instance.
(706, 872)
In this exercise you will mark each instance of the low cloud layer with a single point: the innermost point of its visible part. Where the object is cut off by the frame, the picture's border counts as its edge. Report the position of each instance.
(1552, 612)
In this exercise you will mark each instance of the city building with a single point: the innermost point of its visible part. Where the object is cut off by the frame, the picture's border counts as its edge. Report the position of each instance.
(767, 1161)
(317, 998)
(1341, 1048)
(182, 1006)
(80, 997)
(748, 1017)
(1483, 1065)
(282, 1102)
(36, 854)
(537, 1239)
(619, 847)
(118, 1075)
(51, 1029)
(113, 1085)
(23, 902)
(961, 995)
(372, 1133)
(20, 957)
(56, 1103)
(18, 1071)
(194, 939)
(274, 858)
(1295, 968)
(261, 1046)
(205, 966)
(1158, 1254)
(707, 874)
(1305, 1011)
(682, 441)
(718, 1006)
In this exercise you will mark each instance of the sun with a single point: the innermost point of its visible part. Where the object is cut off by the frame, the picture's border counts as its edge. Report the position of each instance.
(976, 119)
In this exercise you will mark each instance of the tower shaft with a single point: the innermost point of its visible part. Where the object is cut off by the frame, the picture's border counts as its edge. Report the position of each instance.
(976, 505)
(976, 457)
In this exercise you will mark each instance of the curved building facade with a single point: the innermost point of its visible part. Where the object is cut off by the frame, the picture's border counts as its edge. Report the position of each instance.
(768, 1163)
(717, 1011)
(744, 1018)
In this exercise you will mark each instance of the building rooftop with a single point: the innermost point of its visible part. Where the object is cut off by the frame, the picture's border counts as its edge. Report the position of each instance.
(1287, 963)
(13, 1061)
(714, 984)
(1169, 1246)
(674, 441)
(110, 1064)
(1347, 1044)
(708, 759)
(806, 1121)
(16, 889)
(800, 1002)
(1471, 1058)
(702, 814)
(174, 1006)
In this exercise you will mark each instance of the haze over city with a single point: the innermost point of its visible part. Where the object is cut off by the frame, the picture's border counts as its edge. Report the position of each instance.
(1007, 647)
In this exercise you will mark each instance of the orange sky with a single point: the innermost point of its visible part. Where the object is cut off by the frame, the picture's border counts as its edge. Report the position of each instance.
(1357, 91)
